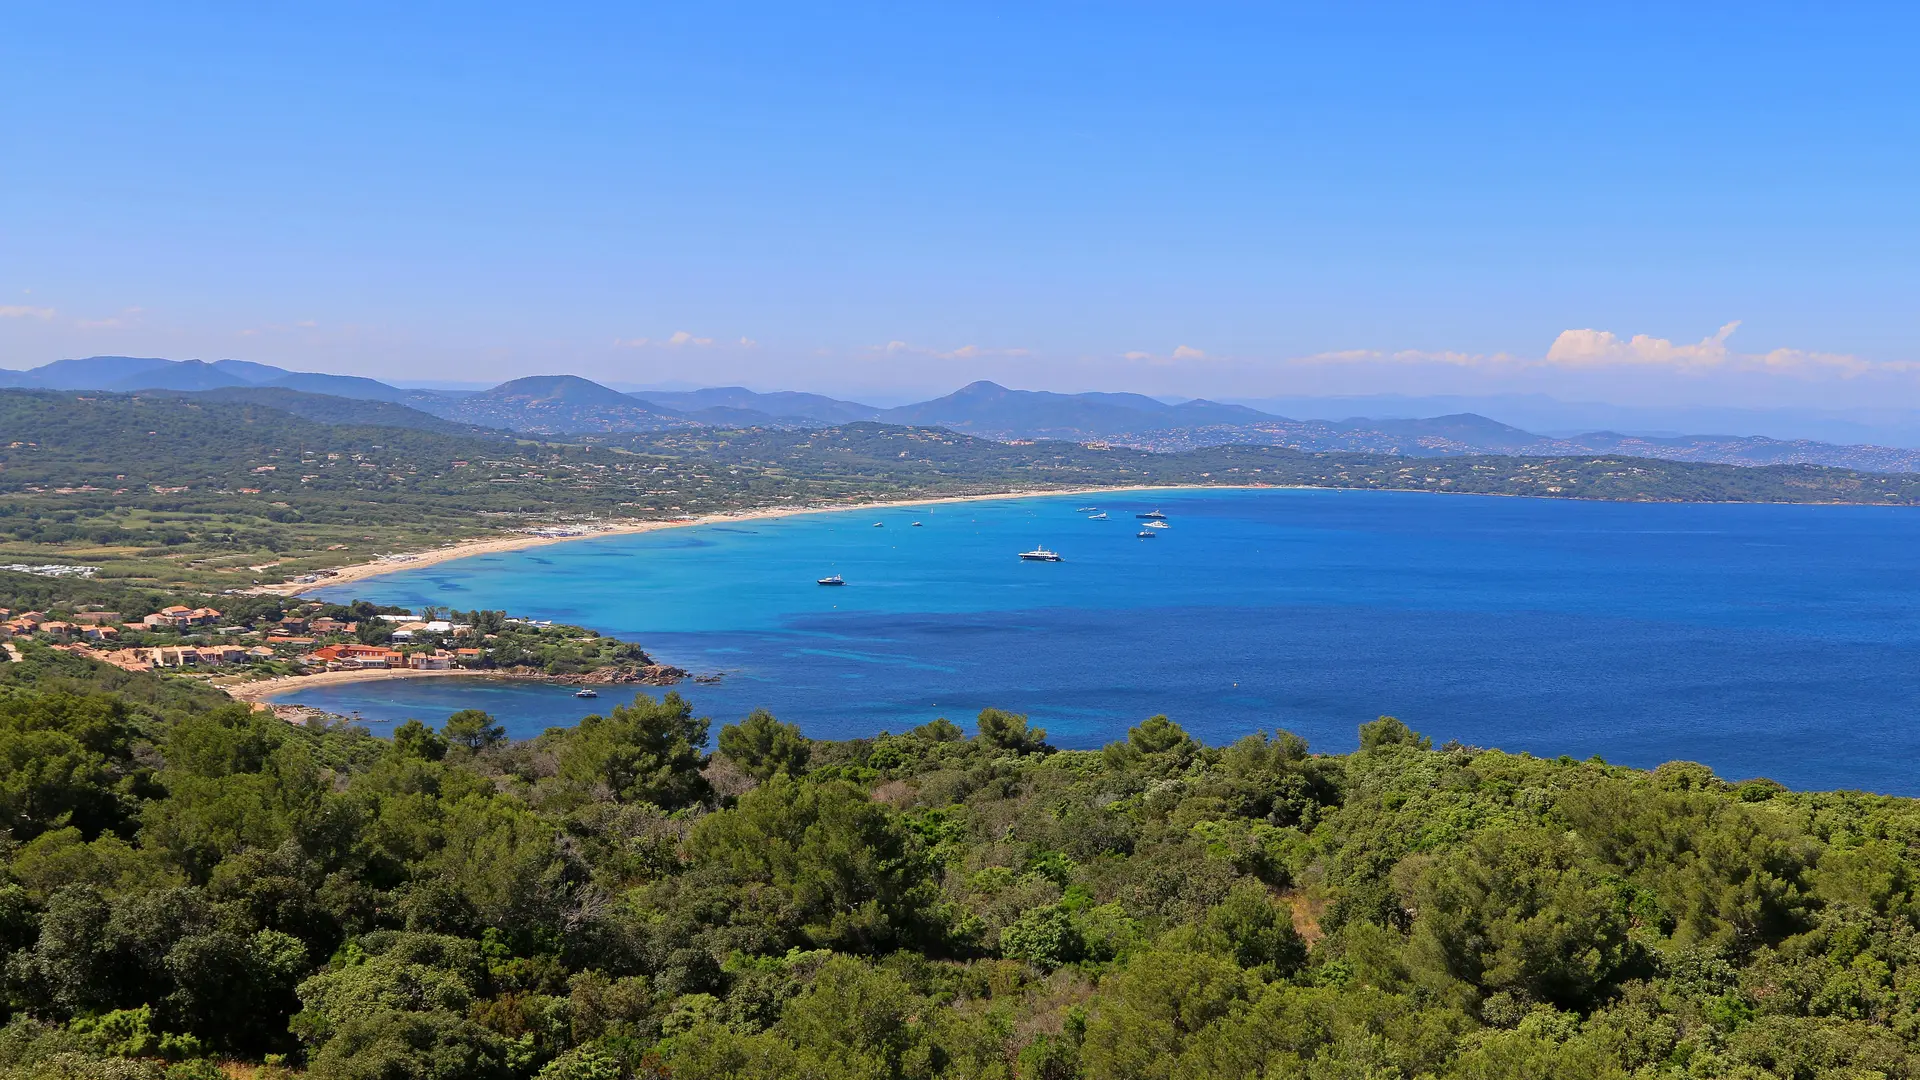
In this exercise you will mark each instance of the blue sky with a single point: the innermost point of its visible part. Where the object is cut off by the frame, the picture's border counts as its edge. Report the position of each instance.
(1230, 200)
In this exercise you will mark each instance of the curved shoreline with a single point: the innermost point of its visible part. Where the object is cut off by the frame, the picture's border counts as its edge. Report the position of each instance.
(263, 690)
(495, 545)
(519, 542)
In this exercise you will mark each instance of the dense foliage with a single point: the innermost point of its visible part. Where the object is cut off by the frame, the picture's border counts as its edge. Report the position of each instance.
(188, 881)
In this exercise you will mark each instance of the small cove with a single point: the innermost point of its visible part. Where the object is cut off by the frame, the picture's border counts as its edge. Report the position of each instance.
(1763, 640)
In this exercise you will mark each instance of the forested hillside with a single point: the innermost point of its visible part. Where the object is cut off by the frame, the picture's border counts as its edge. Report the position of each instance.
(189, 882)
(192, 491)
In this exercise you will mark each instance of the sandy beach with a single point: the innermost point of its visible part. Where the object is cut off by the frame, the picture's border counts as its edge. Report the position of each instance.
(262, 689)
(393, 564)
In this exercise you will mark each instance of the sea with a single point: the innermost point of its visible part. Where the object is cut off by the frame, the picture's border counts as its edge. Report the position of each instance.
(1775, 641)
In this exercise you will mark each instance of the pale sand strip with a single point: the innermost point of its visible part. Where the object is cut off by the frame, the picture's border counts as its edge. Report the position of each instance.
(467, 549)
(261, 689)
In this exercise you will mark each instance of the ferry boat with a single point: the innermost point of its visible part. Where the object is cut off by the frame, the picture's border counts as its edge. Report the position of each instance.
(586, 692)
(1098, 517)
(1146, 534)
(1040, 554)
(1152, 515)
(1158, 525)
(833, 579)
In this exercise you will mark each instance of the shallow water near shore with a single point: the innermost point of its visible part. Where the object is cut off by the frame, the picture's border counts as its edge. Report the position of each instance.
(1779, 641)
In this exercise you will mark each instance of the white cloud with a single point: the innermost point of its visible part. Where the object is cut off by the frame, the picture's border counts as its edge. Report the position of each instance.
(1180, 352)
(1603, 350)
(964, 352)
(22, 311)
(127, 317)
(679, 339)
(1600, 348)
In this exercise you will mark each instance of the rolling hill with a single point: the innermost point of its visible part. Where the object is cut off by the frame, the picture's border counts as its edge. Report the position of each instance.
(552, 405)
(558, 405)
(989, 409)
(781, 405)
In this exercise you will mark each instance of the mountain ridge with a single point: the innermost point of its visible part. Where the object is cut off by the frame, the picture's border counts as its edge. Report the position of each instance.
(551, 405)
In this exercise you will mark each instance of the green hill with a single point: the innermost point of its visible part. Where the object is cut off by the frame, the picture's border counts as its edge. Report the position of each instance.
(224, 489)
(191, 881)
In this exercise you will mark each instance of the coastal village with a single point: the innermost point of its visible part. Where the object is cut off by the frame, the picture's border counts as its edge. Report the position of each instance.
(310, 637)
(203, 642)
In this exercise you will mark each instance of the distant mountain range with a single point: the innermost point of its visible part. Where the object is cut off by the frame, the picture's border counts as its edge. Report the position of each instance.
(559, 405)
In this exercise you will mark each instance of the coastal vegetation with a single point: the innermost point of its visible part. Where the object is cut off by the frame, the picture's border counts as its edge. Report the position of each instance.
(161, 490)
(189, 884)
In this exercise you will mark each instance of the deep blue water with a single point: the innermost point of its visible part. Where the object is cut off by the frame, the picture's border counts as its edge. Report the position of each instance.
(1779, 641)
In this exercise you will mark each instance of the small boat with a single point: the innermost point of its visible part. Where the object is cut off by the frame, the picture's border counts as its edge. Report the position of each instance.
(1152, 515)
(1146, 534)
(1086, 510)
(916, 524)
(1040, 554)
(586, 692)
(1098, 517)
(1158, 525)
(833, 579)
(879, 524)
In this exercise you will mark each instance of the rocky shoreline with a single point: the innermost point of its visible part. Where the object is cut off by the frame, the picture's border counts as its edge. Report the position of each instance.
(661, 675)
(649, 675)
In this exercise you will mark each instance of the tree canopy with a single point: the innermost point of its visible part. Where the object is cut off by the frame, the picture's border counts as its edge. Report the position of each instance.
(188, 882)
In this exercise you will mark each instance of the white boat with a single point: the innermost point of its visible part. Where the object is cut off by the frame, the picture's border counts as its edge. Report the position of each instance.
(833, 579)
(1098, 517)
(1152, 515)
(1158, 525)
(1146, 534)
(586, 692)
(1086, 510)
(1040, 554)
(916, 524)
(879, 524)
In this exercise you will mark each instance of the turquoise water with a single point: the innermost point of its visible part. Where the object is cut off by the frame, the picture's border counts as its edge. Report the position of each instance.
(1781, 641)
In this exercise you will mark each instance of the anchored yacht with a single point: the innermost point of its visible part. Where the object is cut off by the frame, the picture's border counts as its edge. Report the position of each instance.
(1040, 554)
